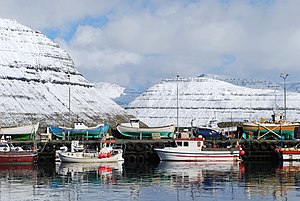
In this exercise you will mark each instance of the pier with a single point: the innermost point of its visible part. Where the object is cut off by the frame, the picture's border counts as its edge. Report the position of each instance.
(142, 151)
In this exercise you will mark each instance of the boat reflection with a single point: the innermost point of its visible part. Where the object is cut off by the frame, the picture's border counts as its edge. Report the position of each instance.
(27, 173)
(198, 175)
(85, 172)
(261, 178)
(290, 166)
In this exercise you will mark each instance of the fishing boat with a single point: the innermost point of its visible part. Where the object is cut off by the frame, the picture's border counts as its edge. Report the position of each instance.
(290, 154)
(193, 149)
(277, 128)
(15, 155)
(79, 130)
(88, 157)
(107, 154)
(21, 132)
(146, 132)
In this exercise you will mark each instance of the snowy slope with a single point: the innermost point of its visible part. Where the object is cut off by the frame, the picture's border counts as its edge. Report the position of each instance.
(204, 98)
(35, 78)
(120, 95)
(250, 83)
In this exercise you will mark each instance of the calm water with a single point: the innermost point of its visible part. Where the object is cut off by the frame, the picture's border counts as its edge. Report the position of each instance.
(165, 181)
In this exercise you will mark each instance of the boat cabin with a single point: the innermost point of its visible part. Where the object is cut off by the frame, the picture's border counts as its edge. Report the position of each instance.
(79, 125)
(277, 118)
(190, 143)
(132, 123)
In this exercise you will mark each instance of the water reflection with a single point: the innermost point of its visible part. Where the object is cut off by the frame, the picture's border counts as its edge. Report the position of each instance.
(163, 181)
(105, 173)
(198, 175)
(15, 172)
(277, 181)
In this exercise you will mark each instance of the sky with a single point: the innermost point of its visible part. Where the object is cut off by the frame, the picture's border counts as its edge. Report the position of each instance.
(137, 43)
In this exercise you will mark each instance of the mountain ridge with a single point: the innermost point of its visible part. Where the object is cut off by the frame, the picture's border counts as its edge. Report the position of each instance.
(203, 98)
(36, 77)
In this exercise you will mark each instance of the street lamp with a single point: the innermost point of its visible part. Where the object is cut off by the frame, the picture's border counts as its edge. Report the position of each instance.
(284, 76)
(177, 77)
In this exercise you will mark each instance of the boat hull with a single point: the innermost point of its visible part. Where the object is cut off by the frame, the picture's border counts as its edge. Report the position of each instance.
(79, 157)
(290, 154)
(285, 130)
(17, 158)
(89, 133)
(174, 154)
(20, 133)
(134, 132)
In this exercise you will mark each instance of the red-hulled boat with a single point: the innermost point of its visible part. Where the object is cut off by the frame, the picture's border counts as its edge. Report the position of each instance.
(15, 155)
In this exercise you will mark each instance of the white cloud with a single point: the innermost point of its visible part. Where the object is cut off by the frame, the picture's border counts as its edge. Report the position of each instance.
(145, 41)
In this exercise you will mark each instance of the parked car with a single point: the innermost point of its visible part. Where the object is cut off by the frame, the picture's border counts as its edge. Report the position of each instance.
(209, 133)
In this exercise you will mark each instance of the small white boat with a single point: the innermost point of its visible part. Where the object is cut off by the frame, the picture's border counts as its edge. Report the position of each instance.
(83, 157)
(193, 149)
(290, 154)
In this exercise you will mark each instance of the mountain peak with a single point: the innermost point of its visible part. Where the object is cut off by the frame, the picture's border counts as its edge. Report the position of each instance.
(36, 78)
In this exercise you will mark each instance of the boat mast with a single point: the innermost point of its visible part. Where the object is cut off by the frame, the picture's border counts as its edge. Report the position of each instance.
(177, 77)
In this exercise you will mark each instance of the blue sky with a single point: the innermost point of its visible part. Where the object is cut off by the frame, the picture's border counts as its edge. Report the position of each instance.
(137, 43)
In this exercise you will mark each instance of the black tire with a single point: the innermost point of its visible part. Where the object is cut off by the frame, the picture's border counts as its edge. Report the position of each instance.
(147, 147)
(161, 146)
(140, 159)
(148, 155)
(132, 159)
(49, 148)
(129, 147)
(272, 146)
(246, 146)
(254, 146)
(264, 146)
(139, 147)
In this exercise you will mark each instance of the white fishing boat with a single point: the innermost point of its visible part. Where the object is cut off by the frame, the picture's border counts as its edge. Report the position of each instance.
(290, 154)
(193, 149)
(105, 155)
(82, 157)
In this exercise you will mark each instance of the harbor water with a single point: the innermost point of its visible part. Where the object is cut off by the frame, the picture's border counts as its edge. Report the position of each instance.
(164, 181)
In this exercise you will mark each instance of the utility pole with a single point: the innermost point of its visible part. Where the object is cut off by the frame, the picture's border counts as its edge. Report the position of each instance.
(69, 75)
(177, 77)
(284, 76)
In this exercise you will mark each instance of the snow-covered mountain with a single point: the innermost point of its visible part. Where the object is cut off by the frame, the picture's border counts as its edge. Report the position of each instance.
(122, 96)
(203, 98)
(250, 83)
(36, 76)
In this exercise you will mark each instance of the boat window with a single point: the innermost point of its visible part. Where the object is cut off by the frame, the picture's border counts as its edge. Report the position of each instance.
(179, 144)
(186, 144)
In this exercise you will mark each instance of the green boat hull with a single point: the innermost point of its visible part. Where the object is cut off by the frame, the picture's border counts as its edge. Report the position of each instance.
(21, 137)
